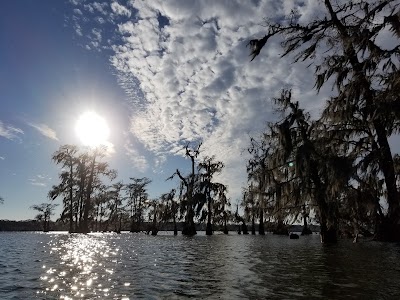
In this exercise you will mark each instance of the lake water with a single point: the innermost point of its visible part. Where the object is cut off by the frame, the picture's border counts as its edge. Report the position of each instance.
(138, 266)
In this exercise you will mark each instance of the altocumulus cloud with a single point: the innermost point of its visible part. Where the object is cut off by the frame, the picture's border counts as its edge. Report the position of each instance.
(187, 71)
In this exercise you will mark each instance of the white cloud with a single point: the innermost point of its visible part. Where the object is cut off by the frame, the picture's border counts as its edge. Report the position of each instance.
(40, 180)
(138, 161)
(120, 9)
(110, 148)
(97, 7)
(159, 162)
(10, 132)
(2, 157)
(45, 130)
(77, 11)
(96, 34)
(197, 78)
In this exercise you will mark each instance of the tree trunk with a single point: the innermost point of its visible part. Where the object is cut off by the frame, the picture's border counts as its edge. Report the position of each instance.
(71, 220)
(244, 228)
(209, 230)
(133, 229)
(175, 227)
(154, 230)
(261, 229)
(189, 228)
(253, 225)
(85, 227)
(225, 226)
(328, 234)
(306, 230)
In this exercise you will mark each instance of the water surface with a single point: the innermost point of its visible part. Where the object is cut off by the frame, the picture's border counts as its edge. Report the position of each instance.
(138, 266)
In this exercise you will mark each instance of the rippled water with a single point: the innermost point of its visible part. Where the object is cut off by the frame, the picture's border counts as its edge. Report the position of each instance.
(137, 266)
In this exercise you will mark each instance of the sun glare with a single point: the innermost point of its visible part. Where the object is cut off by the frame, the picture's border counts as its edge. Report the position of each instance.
(92, 129)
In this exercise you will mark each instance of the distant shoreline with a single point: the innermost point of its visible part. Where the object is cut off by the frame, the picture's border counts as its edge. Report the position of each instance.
(34, 225)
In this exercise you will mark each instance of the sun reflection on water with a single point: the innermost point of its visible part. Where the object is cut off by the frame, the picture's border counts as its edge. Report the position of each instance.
(85, 268)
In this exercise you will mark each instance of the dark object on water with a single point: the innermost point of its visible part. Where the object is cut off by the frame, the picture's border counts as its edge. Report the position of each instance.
(294, 236)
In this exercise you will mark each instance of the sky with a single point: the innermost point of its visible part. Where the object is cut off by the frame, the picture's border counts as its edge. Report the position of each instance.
(161, 73)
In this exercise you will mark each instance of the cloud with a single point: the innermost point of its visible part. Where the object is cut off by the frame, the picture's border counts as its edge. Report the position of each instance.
(110, 148)
(138, 161)
(40, 180)
(10, 132)
(2, 157)
(97, 7)
(187, 71)
(120, 9)
(45, 130)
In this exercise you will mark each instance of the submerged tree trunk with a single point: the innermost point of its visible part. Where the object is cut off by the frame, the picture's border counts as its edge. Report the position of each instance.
(306, 230)
(71, 220)
(328, 234)
(154, 230)
(175, 227)
(45, 225)
(253, 225)
(209, 229)
(261, 229)
(85, 227)
(225, 226)
(189, 228)
(244, 228)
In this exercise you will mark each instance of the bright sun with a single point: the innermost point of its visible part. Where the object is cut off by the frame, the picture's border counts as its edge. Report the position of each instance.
(92, 129)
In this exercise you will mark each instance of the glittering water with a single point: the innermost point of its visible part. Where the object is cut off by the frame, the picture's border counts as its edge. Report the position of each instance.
(137, 266)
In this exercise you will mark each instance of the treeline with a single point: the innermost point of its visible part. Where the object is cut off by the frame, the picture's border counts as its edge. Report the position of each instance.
(340, 166)
(36, 225)
(91, 201)
(26, 225)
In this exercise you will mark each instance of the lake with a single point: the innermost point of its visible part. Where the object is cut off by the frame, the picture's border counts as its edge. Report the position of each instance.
(37, 265)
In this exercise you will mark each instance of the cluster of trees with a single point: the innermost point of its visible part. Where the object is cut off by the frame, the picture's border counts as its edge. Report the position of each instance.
(200, 196)
(340, 166)
(92, 202)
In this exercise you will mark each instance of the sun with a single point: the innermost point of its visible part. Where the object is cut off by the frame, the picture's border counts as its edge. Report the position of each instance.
(92, 129)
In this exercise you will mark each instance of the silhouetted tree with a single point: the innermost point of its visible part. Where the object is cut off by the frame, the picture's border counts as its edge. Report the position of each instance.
(343, 45)
(207, 169)
(115, 206)
(66, 157)
(188, 191)
(170, 209)
(137, 195)
(81, 175)
(300, 167)
(250, 207)
(45, 212)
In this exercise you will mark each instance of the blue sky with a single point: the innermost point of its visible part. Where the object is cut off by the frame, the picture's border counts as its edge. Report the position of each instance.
(162, 73)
